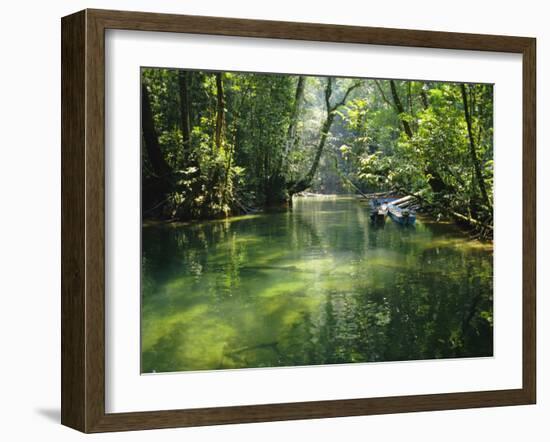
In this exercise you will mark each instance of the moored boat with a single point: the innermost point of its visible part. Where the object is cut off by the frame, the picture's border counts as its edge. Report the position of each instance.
(401, 216)
(379, 210)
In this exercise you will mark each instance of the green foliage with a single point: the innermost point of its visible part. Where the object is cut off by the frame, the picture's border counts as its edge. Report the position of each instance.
(247, 147)
(437, 160)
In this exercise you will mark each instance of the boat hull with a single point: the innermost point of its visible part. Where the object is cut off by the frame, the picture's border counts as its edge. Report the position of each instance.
(378, 212)
(396, 214)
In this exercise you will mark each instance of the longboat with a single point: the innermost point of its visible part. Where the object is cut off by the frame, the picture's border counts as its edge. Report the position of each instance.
(401, 216)
(379, 211)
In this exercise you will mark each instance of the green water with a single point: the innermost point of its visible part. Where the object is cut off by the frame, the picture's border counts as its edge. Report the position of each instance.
(315, 285)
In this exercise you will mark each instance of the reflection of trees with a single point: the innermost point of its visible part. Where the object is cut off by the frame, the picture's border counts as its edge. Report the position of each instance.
(334, 225)
(440, 308)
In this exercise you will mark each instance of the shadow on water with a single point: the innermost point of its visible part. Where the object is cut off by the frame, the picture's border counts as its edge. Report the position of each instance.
(316, 285)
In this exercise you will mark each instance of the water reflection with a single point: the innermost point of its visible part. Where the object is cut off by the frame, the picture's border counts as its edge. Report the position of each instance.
(315, 285)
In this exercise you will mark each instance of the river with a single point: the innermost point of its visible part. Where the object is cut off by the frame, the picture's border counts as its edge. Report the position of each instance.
(318, 284)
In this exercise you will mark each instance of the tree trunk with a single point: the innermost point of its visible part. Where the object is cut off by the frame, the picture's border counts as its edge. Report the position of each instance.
(276, 190)
(159, 184)
(410, 97)
(424, 97)
(400, 109)
(150, 137)
(322, 141)
(220, 110)
(325, 128)
(294, 116)
(185, 116)
(473, 153)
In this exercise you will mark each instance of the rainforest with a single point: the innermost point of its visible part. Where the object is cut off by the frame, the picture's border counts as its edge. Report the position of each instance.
(304, 220)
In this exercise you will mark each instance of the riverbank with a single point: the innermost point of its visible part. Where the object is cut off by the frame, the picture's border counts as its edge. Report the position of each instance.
(364, 199)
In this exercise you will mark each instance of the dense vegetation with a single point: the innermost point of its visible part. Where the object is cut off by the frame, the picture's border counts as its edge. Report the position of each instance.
(221, 143)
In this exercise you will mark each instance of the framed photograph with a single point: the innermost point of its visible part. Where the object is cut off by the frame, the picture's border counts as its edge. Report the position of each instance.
(267, 220)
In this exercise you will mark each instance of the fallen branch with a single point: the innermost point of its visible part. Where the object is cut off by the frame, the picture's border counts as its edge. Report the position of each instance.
(449, 211)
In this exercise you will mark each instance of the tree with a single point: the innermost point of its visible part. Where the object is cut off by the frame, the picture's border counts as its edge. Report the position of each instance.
(331, 109)
(473, 153)
(220, 110)
(157, 184)
(185, 115)
(160, 167)
(294, 118)
(400, 109)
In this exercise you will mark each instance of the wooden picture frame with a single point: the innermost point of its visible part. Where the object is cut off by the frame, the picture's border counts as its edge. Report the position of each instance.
(83, 220)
